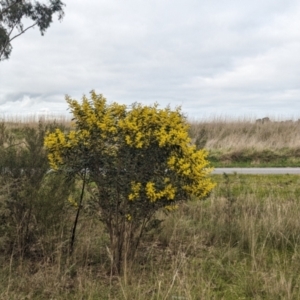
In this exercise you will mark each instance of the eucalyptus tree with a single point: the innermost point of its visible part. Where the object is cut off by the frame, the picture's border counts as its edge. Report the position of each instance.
(13, 14)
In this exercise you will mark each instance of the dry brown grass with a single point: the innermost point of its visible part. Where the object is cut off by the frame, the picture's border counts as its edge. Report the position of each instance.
(20, 121)
(221, 134)
(248, 143)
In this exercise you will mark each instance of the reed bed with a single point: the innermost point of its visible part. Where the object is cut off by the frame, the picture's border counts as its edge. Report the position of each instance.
(249, 143)
(226, 134)
(32, 120)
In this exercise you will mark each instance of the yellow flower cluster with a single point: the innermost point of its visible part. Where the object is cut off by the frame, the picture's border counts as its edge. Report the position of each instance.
(54, 141)
(171, 207)
(147, 124)
(193, 167)
(97, 115)
(153, 195)
(72, 201)
(104, 130)
(128, 217)
(135, 190)
(95, 123)
(58, 143)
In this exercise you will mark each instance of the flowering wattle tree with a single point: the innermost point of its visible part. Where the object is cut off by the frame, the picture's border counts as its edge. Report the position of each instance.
(140, 159)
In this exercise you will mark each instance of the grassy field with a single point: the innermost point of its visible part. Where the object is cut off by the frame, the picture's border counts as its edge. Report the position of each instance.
(247, 143)
(242, 242)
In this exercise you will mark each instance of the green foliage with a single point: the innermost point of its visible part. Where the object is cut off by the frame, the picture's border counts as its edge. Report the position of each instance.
(140, 159)
(12, 14)
(31, 202)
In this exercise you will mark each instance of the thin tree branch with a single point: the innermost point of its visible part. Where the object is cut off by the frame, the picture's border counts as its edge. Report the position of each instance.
(9, 40)
(23, 31)
(12, 28)
(77, 214)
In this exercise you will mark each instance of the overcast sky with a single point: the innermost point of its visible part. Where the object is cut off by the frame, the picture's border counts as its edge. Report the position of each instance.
(213, 58)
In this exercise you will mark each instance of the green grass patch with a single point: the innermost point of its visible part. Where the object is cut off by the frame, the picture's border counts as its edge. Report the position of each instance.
(255, 158)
